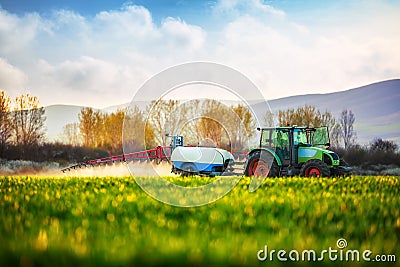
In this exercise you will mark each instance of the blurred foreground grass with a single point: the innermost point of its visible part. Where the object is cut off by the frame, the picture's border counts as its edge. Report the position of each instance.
(71, 221)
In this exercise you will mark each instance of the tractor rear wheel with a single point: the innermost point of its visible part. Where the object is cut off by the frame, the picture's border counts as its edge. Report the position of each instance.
(315, 168)
(261, 164)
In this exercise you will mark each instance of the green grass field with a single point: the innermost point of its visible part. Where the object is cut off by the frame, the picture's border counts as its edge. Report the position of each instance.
(72, 221)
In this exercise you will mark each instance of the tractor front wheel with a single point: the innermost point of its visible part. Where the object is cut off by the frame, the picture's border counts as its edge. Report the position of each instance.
(315, 168)
(261, 164)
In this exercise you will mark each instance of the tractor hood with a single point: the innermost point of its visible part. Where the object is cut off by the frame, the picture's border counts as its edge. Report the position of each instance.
(307, 153)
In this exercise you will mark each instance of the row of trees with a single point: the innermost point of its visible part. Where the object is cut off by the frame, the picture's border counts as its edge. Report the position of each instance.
(21, 123)
(202, 122)
(104, 130)
(198, 120)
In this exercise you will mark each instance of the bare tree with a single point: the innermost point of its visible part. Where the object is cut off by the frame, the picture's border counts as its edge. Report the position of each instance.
(71, 134)
(165, 116)
(5, 121)
(268, 119)
(334, 134)
(190, 128)
(28, 122)
(327, 119)
(346, 122)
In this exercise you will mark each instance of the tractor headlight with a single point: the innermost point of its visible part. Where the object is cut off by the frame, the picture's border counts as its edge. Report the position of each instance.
(334, 156)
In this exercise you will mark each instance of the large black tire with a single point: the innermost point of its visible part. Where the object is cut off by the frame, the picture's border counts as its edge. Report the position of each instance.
(315, 168)
(261, 163)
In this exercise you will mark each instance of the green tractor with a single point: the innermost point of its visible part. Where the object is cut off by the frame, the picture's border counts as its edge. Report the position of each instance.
(292, 151)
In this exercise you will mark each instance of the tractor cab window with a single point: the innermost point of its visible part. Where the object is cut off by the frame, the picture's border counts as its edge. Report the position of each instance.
(299, 137)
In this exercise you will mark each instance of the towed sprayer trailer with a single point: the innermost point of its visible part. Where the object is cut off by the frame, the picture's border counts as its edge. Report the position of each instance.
(282, 151)
(186, 161)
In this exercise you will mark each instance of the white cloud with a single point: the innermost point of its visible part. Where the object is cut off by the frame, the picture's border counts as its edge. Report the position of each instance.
(102, 60)
(235, 8)
(10, 76)
(285, 58)
(96, 61)
(88, 80)
(17, 35)
(180, 35)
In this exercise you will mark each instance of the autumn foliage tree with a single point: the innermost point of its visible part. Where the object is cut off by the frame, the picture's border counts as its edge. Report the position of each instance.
(310, 116)
(243, 126)
(228, 126)
(212, 124)
(138, 132)
(87, 126)
(113, 124)
(106, 130)
(304, 116)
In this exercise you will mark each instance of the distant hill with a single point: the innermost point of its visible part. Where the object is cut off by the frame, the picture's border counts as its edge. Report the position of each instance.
(376, 108)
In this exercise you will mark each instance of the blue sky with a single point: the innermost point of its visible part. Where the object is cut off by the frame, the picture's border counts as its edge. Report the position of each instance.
(190, 10)
(98, 53)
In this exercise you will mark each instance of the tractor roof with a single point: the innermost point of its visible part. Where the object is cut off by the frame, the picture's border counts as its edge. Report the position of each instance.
(285, 128)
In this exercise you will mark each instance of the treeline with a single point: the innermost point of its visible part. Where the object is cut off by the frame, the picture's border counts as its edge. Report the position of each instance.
(202, 122)
(22, 134)
(377, 152)
(21, 125)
